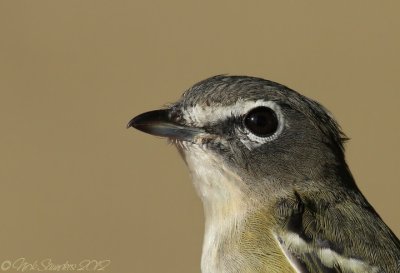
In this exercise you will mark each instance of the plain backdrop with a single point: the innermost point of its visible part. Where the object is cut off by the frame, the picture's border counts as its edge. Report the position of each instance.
(76, 184)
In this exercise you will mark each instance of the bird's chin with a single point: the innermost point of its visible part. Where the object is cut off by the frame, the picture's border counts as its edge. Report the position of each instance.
(185, 146)
(181, 145)
(200, 142)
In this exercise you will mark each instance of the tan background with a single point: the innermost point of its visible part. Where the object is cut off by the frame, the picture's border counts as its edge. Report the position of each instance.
(76, 184)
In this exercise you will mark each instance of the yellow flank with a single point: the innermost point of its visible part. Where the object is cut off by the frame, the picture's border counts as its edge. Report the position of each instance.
(258, 247)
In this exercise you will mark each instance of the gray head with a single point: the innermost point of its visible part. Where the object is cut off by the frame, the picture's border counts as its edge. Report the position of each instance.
(263, 134)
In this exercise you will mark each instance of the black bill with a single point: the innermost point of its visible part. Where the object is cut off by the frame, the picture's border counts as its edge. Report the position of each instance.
(159, 123)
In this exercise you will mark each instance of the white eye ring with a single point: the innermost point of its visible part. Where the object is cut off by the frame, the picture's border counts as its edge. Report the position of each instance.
(249, 139)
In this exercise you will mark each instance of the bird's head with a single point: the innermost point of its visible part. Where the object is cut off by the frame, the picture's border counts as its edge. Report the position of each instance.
(258, 132)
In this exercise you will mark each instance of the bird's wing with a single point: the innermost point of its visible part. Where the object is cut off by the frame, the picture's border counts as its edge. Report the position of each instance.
(329, 239)
(310, 259)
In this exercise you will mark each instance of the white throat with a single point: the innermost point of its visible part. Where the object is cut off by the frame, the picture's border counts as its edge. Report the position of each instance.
(224, 204)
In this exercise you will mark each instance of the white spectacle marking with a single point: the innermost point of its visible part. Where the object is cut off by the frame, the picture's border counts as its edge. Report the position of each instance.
(328, 257)
(204, 115)
(200, 116)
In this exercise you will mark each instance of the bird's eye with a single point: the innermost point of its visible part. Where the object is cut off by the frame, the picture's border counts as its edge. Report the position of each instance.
(261, 121)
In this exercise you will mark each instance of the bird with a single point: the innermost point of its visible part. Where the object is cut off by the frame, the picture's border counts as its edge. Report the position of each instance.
(269, 167)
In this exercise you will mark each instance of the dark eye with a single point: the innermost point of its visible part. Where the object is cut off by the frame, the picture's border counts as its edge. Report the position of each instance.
(261, 121)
